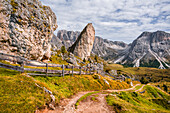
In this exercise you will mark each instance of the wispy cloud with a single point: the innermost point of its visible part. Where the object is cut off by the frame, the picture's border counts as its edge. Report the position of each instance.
(122, 20)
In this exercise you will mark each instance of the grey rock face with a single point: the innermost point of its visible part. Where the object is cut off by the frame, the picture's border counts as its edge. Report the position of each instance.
(149, 48)
(107, 49)
(68, 37)
(56, 43)
(84, 43)
(26, 28)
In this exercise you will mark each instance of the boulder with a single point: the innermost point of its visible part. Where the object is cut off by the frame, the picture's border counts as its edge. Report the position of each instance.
(72, 61)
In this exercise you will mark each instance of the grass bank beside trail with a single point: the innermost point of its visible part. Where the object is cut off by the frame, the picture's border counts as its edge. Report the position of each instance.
(18, 93)
(152, 100)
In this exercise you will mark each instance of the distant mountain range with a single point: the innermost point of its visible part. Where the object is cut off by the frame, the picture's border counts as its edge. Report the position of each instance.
(150, 49)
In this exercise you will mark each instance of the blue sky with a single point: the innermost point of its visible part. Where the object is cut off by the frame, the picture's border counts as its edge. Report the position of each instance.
(117, 20)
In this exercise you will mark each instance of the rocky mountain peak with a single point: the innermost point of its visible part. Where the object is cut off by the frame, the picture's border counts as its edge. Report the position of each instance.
(26, 28)
(84, 43)
(160, 35)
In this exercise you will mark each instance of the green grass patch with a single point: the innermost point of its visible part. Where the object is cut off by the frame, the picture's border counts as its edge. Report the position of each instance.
(155, 93)
(138, 87)
(84, 97)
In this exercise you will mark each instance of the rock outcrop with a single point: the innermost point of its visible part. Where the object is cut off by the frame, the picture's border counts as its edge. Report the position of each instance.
(149, 49)
(26, 28)
(84, 43)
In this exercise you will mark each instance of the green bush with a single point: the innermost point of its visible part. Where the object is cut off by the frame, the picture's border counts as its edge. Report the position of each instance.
(63, 50)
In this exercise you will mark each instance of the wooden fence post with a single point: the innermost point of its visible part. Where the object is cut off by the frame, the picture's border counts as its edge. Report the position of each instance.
(22, 67)
(72, 70)
(90, 70)
(63, 70)
(46, 69)
(86, 70)
(80, 70)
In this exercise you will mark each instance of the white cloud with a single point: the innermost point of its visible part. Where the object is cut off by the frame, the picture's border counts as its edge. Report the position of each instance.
(113, 19)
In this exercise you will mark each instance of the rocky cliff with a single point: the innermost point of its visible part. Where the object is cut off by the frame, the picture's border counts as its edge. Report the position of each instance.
(26, 28)
(149, 49)
(84, 43)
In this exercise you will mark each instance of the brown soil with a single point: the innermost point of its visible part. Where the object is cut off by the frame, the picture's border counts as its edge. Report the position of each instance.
(98, 105)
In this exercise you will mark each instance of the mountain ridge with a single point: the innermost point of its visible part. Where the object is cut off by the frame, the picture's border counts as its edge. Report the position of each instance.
(148, 48)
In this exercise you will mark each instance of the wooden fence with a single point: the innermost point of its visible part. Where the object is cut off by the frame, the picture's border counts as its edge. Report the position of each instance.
(46, 71)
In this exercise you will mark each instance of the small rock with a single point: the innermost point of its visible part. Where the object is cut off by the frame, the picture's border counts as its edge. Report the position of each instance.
(70, 60)
(51, 106)
(106, 81)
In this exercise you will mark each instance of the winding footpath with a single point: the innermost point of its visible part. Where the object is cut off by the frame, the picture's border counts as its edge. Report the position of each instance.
(92, 107)
(140, 88)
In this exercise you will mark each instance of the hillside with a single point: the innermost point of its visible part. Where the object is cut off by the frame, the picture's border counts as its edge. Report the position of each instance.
(20, 92)
(151, 74)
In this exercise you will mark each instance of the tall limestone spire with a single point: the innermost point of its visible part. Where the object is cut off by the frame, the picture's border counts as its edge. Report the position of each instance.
(84, 43)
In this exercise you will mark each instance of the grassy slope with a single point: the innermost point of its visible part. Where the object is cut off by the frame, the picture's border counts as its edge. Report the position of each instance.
(153, 100)
(67, 86)
(19, 93)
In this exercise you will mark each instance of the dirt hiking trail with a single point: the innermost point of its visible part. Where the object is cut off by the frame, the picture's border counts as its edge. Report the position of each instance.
(96, 105)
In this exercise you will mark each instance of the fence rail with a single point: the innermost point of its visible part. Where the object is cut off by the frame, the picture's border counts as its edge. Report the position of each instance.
(42, 72)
